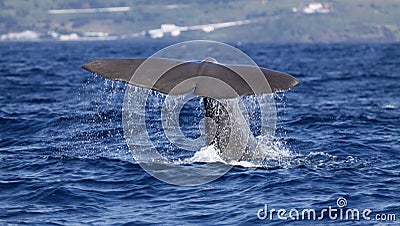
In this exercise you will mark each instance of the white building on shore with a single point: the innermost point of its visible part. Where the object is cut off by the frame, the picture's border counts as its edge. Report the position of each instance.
(317, 7)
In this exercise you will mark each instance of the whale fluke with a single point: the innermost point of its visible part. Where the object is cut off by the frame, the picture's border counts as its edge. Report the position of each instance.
(205, 78)
(226, 127)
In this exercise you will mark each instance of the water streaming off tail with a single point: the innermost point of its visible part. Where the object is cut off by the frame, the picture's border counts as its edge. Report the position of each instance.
(99, 115)
(166, 128)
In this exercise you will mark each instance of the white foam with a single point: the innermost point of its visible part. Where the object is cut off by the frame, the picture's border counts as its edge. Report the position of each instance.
(245, 164)
(207, 154)
(271, 152)
(389, 106)
(210, 154)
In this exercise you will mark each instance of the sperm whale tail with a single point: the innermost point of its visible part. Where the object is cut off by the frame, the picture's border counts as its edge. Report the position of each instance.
(218, 84)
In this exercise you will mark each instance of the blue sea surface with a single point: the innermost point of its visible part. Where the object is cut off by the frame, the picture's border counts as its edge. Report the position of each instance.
(64, 160)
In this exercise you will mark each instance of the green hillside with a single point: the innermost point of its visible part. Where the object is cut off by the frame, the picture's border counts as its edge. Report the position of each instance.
(278, 20)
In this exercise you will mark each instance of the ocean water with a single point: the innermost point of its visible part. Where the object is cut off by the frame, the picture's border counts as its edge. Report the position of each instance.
(64, 160)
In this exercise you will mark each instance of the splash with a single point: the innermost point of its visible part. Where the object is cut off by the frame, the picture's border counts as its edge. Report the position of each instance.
(101, 134)
(207, 154)
(273, 153)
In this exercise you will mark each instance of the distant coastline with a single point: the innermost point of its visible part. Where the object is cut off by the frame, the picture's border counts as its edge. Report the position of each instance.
(283, 21)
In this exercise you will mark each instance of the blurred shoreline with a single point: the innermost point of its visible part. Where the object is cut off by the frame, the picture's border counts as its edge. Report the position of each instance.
(284, 21)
